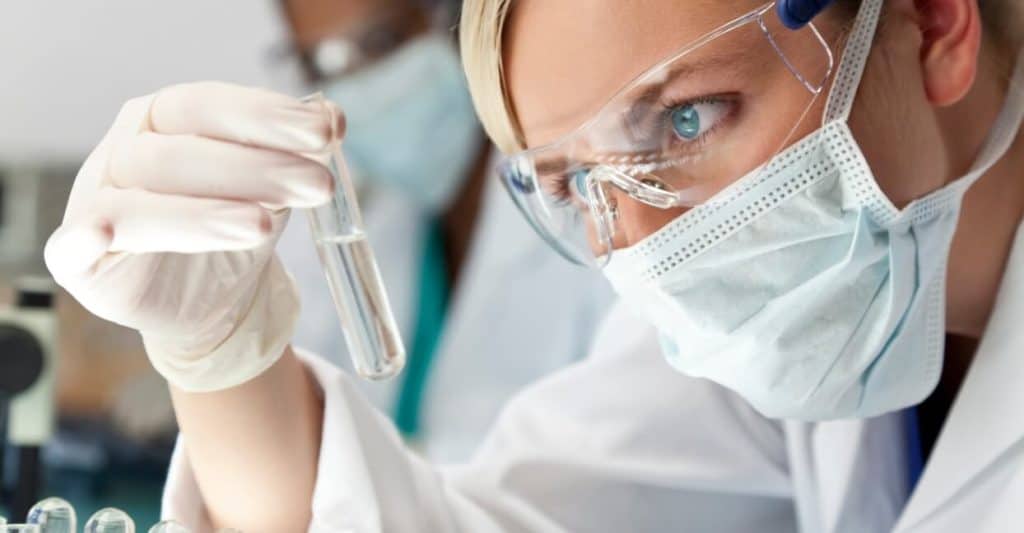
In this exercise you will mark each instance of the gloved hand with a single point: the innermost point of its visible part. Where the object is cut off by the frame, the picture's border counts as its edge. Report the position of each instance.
(172, 222)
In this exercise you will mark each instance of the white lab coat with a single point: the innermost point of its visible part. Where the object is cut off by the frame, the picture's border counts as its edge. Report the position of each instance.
(490, 348)
(620, 442)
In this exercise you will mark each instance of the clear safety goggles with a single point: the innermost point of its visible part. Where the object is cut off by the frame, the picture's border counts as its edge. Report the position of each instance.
(688, 127)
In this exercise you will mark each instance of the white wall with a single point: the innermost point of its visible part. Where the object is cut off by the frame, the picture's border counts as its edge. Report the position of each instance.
(67, 65)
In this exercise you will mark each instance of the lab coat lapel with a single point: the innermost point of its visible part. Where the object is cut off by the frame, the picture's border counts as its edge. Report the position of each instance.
(1005, 513)
(986, 418)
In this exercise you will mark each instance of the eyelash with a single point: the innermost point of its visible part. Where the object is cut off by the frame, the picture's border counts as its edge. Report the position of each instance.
(669, 106)
(562, 183)
(564, 195)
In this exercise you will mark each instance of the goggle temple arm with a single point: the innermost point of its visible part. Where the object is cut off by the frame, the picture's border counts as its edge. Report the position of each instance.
(813, 86)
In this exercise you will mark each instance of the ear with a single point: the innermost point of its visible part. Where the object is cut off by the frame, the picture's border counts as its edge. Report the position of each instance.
(951, 40)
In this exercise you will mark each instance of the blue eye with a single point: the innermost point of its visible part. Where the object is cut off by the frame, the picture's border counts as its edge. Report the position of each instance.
(579, 181)
(694, 119)
(686, 122)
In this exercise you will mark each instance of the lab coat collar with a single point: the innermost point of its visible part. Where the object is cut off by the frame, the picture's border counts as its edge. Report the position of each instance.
(986, 418)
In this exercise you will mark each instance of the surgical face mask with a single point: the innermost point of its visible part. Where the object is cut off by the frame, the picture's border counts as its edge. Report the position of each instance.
(801, 286)
(410, 121)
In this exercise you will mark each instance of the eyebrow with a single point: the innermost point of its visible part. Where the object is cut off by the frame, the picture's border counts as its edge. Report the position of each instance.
(647, 98)
(551, 166)
(653, 92)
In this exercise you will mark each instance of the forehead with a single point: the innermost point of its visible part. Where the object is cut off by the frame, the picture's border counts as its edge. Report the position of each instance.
(564, 59)
(314, 20)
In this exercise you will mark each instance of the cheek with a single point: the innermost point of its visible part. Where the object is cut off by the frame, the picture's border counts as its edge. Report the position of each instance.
(637, 221)
(897, 131)
(904, 157)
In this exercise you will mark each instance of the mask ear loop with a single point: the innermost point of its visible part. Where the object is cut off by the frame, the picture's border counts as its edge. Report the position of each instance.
(854, 61)
(1004, 131)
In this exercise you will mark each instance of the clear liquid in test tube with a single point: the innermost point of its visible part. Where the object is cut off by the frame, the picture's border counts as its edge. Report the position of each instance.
(372, 338)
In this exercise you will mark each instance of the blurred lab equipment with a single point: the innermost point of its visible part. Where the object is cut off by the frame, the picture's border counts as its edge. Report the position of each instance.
(109, 520)
(58, 436)
(53, 515)
(141, 408)
(169, 526)
(27, 342)
(373, 339)
(31, 200)
(19, 528)
(56, 515)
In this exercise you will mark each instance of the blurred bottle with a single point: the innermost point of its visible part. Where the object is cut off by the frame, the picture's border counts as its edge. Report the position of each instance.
(53, 515)
(110, 520)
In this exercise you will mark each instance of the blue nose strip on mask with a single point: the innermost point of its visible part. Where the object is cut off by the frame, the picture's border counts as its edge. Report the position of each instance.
(796, 13)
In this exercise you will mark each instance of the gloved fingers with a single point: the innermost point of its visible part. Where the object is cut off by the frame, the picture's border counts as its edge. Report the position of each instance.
(147, 222)
(242, 115)
(196, 166)
(136, 222)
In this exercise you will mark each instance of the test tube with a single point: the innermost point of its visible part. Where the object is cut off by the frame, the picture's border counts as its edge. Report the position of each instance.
(367, 323)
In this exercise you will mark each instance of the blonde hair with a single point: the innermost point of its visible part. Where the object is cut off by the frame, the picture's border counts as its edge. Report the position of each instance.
(481, 35)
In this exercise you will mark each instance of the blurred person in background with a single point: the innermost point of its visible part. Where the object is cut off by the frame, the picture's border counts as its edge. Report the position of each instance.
(460, 265)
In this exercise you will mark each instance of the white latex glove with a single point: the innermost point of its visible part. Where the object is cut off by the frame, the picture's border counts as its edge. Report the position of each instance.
(172, 221)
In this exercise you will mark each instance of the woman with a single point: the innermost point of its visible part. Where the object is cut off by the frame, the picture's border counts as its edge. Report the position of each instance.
(619, 442)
